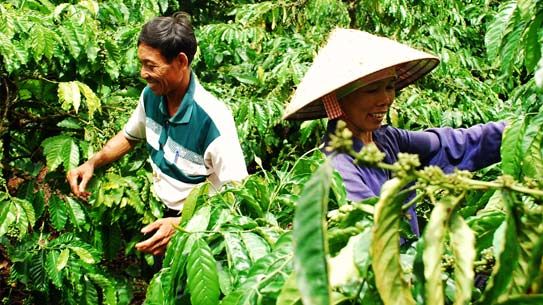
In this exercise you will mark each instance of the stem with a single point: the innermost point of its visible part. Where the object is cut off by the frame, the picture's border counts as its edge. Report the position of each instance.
(484, 185)
(412, 202)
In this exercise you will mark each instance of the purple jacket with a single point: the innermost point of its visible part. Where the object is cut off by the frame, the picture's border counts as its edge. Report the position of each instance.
(465, 148)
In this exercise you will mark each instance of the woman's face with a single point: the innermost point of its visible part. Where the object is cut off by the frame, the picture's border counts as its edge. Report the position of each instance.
(366, 107)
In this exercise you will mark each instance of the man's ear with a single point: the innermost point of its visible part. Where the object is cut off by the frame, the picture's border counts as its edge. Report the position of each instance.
(183, 59)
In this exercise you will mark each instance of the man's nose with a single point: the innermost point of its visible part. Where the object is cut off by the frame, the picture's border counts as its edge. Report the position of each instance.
(143, 73)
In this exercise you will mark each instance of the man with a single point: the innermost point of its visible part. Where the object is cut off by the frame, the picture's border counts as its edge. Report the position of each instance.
(190, 135)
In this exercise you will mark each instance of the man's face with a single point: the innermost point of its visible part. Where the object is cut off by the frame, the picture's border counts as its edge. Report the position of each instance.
(366, 107)
(163, 77)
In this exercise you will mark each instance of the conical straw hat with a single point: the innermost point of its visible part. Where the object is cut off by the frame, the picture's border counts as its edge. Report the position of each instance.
(348, 56)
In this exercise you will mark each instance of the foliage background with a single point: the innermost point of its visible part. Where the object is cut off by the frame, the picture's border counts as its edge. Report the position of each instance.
(69, 79)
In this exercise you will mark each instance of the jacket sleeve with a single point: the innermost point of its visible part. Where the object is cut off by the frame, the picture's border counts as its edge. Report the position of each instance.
(464, 148)
(356, 189)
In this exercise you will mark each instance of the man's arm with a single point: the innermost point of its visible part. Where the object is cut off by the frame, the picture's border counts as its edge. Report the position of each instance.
(115, 148)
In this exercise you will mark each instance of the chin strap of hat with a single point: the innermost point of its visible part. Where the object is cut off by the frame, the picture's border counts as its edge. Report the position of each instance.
(332, 107)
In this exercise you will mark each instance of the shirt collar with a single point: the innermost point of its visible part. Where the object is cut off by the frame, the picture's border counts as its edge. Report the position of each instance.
(183, 114)
(357, 143)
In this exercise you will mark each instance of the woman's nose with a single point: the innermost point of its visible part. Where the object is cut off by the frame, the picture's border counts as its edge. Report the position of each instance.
(385, 97)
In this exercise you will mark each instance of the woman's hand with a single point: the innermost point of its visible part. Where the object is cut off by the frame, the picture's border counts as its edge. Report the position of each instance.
(164, 229)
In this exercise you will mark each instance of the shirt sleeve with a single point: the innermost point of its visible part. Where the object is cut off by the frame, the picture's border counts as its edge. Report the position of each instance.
(356, 189)
(224, 157)
(135, 127)
(464, 148)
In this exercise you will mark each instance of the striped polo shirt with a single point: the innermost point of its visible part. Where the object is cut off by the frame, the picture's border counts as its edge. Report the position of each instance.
(198, 142)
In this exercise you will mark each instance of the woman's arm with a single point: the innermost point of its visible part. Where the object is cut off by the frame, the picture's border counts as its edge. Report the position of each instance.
(463, 148)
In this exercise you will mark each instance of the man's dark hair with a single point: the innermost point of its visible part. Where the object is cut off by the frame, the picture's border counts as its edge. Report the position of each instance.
(171, 35)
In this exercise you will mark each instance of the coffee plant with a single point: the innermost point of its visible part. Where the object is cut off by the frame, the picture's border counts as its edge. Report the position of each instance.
(69, 79)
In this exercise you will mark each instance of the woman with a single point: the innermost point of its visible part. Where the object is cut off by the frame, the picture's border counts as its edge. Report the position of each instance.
(354, 78)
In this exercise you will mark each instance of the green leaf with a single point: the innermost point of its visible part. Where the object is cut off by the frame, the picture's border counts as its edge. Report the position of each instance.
(309, 233)
(157, 291)
(238, 258)
(225, 282)
(528, 239)
(463, 248)
(508, 252)
(57, 210)
(90, 5)
(203, 281)
(532, 46)
(495, 33)
(69, 123)
(69, 33)
(69, 95)
(8, 216)
(43, 42)
(342, 269)
(51, 267)
(77, 216)
(533, 160)
(90, 294)
(239, 298)
(362, 249)
(61, 149)
(190, 202)
(484, 225)
(25, 215)
(290, 295)
(512, 42)
(200, 220)
(268, 270)
(37, 271)
(255, 245)
(93, 102)
(59, 9)
(511, 149)
(108, 288)
(385, 248)
(175, 261)
(534, 299)
(62, 259)
(538, 75)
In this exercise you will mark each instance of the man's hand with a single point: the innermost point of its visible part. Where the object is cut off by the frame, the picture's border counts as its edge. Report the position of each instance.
(83, 172)
(164, 230)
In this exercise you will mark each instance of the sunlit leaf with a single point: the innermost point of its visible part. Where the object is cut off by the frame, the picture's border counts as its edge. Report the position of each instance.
(463, 248)
(385, 247)
(84, 255)
(92, 101)
(62, 259)
(290, 295)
